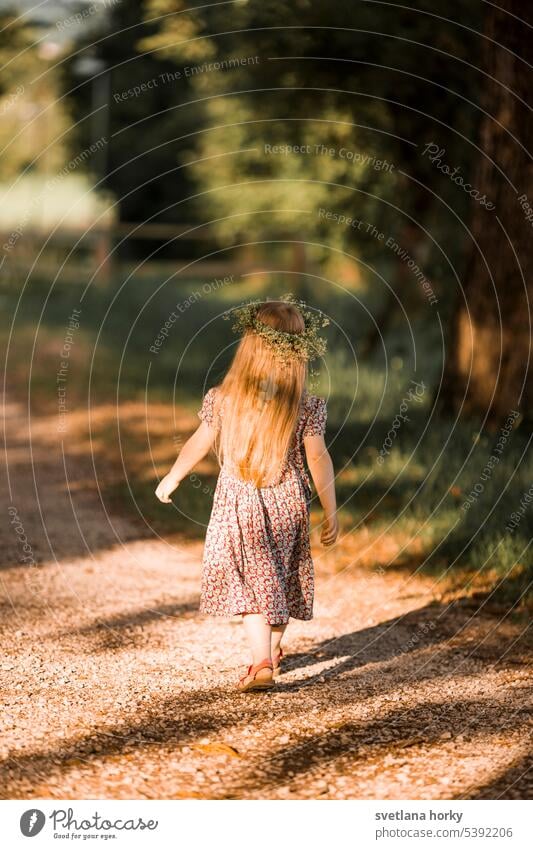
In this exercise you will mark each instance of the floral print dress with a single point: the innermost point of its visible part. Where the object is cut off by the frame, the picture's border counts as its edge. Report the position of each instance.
(257, 557)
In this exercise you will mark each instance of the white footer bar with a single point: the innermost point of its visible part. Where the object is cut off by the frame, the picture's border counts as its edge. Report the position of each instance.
(297, 824)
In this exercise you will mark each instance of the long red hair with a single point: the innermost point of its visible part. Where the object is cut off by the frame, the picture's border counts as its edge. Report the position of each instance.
(261, 395)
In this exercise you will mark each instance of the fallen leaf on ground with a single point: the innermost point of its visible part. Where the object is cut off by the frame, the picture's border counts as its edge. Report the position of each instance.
(217, 749)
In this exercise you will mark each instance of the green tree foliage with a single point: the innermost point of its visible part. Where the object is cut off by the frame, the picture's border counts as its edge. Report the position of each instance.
(31, 119)
(144, 103)
(352, 85)
(257, 115)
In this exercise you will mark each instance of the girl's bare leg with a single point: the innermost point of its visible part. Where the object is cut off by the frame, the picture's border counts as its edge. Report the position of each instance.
(258, 633)
(277, 634)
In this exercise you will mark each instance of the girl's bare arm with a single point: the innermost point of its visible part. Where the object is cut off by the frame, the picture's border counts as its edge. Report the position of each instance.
(321, 468)
(194, 450)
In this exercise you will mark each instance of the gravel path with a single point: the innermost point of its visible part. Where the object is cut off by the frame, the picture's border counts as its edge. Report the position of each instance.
(113, 686)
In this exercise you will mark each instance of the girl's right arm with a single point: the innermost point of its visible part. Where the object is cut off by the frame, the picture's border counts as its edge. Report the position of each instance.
(194, 450)
(321, 468)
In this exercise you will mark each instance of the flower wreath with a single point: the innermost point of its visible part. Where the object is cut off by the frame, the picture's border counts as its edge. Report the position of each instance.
(307, 345)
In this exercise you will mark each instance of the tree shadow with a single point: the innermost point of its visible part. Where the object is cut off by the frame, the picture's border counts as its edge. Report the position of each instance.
(381, 659)
(515, 782)
(76, 495)
(398, 637)
(162, 723)
(111, 630)
(422, 724)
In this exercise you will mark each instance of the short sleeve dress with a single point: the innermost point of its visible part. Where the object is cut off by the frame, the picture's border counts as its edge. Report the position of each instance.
(257, 556)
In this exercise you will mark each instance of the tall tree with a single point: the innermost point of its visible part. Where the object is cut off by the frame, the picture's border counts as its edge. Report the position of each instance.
(147, 110)
(489, 362)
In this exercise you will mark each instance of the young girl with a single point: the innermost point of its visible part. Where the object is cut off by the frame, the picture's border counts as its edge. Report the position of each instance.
(257, 558)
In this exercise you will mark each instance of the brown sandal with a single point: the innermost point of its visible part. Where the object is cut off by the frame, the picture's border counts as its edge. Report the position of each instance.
(258, 677)
(276, 667)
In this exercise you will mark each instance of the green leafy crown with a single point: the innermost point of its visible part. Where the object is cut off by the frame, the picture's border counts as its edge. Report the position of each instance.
(307, 345)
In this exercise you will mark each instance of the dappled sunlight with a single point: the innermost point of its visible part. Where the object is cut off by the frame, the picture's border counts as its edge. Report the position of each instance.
(371, 549)
(378, 733)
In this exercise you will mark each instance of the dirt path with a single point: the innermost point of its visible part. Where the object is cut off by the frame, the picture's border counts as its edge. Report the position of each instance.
(113, 686)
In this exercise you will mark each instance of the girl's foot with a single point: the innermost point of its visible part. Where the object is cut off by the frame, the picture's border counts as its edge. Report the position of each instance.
(276, 663)
(258, 677)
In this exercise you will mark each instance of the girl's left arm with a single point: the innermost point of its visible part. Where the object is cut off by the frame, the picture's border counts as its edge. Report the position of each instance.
(194, 450)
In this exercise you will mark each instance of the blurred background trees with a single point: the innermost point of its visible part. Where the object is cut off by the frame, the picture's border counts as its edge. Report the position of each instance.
(354, 100)
(147, 120)
(379, 87)
(32, 118)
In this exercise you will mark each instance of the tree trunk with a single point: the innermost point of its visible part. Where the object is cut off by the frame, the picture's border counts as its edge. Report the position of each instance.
(488, 370)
